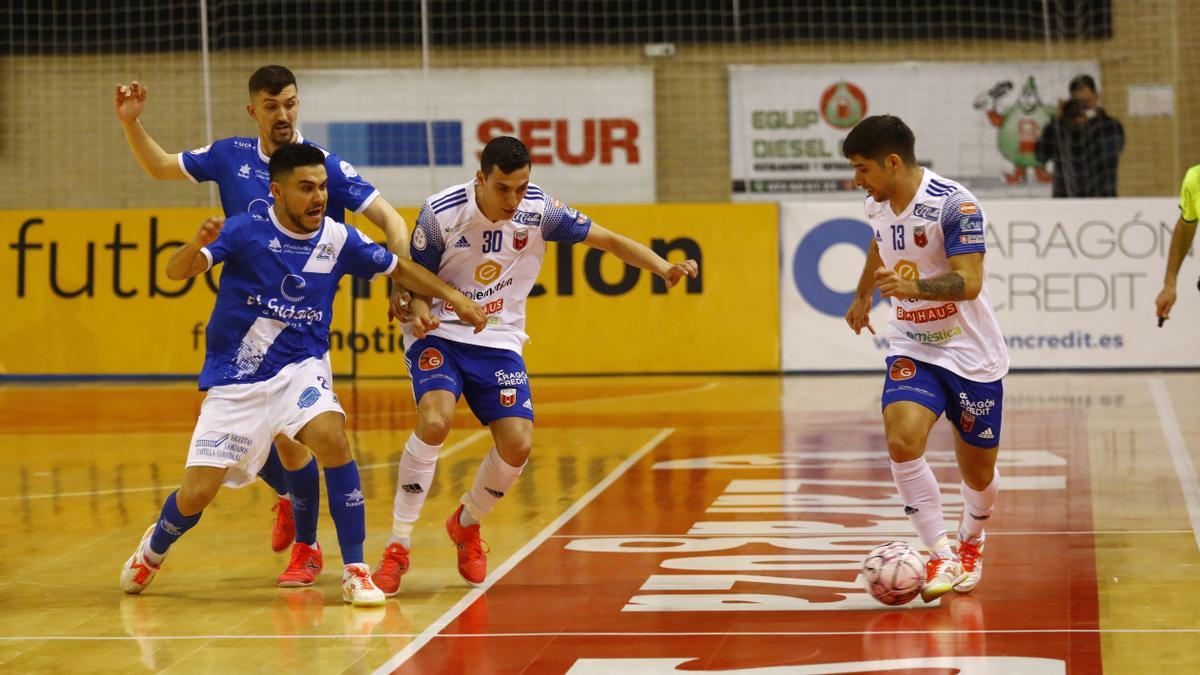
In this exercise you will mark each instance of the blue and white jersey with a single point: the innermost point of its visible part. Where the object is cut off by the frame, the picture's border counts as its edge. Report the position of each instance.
(943, 220)
(239, 167)
(493, 263)
(275, 304)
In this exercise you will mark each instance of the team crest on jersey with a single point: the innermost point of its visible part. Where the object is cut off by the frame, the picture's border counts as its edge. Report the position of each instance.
(902, 369)
(966, 422)
(348, 169)
(419, 240)
(508, 397)
(919, 237)
(325, 251)
(520, 238)
(430, 359)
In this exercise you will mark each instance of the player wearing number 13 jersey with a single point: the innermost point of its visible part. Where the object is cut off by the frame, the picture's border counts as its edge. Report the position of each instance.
(947, 354)
(486, 238)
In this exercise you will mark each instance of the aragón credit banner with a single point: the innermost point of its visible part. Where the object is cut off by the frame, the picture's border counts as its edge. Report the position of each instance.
(1073, 283)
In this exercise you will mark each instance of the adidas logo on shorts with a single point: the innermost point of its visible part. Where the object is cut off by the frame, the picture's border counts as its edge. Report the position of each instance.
(987, 433)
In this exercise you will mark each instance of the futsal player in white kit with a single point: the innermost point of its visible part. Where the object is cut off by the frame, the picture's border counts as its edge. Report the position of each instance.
(946, 352)
(487, 238)
(265, 369)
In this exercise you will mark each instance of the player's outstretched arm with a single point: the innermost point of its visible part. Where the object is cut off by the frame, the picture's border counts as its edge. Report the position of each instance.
(639, 255)
(130, 100)
(1181, 241)
(859, 314)
(413, 276)
(385, 217)
(187, 261)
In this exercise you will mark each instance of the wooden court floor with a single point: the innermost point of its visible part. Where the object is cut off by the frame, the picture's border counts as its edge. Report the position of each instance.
(664, 525)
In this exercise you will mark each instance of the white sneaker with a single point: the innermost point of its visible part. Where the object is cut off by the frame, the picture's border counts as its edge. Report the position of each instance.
(941, 575)
(138, 572)
(971, 556)
(357, 587)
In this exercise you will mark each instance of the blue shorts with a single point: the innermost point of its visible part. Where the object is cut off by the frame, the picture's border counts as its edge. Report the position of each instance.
(493, 380)
(974, 408)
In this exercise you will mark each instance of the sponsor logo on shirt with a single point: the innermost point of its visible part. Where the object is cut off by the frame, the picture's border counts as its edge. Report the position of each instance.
(902, 369)
(521, 237)
(968, 208)
(287, 313)
(274, 245)
(878, 237)
(505, 378)
(935, 337)
(508, 397)
(907, 270)
(527, 218)
(494, 307)
(488, 271)
(462, 243)
(244, 171)
(292, 287)
(246, 145)
(970, 239)
(927, 212)
(430, 359)
(928, 314)
(971, 224)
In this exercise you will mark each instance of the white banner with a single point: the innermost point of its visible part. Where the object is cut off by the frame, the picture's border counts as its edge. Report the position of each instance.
(590, 131)
(975, 122)
(1073, 284)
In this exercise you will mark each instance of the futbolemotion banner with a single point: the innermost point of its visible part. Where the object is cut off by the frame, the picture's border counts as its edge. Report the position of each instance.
(590, 131)
(977, 123)
(86, 293)
(1073, 283)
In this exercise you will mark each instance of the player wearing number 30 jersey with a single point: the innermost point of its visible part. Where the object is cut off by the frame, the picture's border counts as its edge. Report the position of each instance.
(486, 238)
(947, 354)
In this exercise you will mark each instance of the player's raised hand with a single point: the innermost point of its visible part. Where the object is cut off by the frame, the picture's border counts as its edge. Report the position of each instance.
(1164, 302)
(859, 315)
(209, 230)
(892, 285)
(130, 100)
(679, 270)
(470, 312)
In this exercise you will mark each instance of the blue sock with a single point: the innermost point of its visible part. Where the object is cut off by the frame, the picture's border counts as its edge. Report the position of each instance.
(346, 507)
(304, 485)
(171, 526)
(273, 473)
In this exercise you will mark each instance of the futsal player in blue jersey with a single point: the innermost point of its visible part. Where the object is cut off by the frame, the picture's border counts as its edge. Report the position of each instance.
(265, 369)
(238, 166)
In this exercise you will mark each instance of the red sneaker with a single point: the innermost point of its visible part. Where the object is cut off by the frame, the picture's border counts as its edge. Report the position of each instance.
(285, 525)
(472, 558)
(390, 569)
(307, 562)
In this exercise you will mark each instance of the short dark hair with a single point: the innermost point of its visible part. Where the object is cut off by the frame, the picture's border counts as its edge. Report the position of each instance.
(505, 152)
(878, 136)
(1081, 81)
(271, 79)
(288, 156)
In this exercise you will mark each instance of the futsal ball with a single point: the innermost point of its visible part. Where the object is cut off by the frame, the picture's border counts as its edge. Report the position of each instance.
(893, 573)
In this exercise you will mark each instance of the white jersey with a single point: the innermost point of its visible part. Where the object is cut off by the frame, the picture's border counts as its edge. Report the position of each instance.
(493, 263)
(944, 219)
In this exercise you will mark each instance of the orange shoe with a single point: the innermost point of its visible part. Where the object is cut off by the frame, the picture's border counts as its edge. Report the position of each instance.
(307, 562)
(139, 572)
(971, 556)
(391, 568)
(285, 525)
(472, 558)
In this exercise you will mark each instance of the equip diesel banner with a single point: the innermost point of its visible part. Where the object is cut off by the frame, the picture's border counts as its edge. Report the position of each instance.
(1073, 283)
(977, 123)
(85, 293)
(590, 131)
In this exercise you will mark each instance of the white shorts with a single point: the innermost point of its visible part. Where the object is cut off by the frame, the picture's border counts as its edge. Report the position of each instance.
(238, 422)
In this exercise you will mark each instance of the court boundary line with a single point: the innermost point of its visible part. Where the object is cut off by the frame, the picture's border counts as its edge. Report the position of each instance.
(812, 633)
(540, 538)
(1185, 470)
(785, 535)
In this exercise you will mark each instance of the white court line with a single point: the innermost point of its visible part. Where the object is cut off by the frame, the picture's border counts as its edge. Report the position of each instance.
(466, 601)
(949, 631)
(1185, 470)
(452, 449)
(856, 535)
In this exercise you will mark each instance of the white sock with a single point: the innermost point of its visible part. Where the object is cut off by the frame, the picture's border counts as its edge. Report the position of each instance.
(977, 508)
(150, 556)
(923, 504)
(413, 479)
(494, 478)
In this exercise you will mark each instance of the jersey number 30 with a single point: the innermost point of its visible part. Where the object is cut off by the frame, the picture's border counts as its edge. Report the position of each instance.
(493, 241)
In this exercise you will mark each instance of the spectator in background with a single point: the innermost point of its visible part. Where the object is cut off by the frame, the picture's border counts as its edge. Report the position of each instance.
(1105, 134)
(1064, 141)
